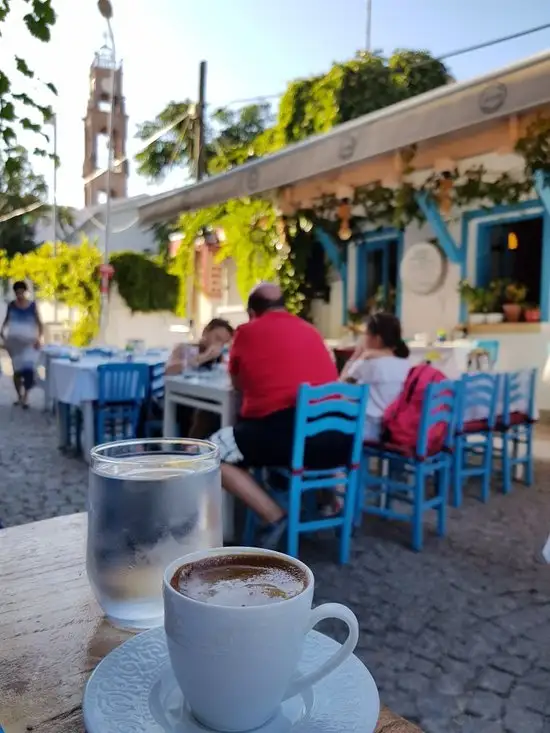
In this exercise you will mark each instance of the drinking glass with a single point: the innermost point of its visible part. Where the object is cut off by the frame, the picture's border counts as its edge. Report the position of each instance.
(149, 502)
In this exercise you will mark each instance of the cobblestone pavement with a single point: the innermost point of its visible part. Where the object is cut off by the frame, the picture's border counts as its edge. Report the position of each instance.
(457, 637)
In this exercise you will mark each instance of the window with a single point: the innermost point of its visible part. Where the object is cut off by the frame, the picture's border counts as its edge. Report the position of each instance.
(377, 274)
(518, 258)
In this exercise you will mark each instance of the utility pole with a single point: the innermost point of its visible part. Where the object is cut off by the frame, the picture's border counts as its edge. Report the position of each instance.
(54, 208)
(369, 26)
(200, 158)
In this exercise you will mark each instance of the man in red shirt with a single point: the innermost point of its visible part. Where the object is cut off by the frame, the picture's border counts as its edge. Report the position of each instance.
(271, 357)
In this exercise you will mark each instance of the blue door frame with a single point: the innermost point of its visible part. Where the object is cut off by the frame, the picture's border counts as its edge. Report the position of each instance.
(374, 242)
(523, 211)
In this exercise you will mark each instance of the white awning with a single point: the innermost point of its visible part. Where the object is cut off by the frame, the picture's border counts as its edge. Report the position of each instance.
(511, 90)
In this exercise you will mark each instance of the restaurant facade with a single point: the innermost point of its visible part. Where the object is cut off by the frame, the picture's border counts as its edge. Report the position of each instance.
(440, 203)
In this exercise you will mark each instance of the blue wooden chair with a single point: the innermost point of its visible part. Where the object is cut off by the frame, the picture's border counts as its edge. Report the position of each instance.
(515, 425)
(337, 408)
(122, 389)
(155, 397)
(474, 437)
(406, 479)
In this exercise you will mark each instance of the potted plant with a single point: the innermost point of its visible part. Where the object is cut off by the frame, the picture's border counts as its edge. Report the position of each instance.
(514, 299)
(493, 300)
(355, 321)
(476, 300)
(532, 313)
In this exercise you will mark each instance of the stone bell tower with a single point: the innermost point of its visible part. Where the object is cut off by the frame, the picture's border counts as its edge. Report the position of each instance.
(104, 75)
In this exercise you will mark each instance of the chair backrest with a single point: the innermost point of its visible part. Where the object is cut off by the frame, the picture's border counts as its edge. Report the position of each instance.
(156, 385)
(122, 383)
(478, 399)
(335, 407)
(519, 394)
(439, 408)
(491, 346)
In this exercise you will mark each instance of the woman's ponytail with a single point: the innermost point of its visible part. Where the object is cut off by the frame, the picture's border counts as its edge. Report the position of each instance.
(402, 351)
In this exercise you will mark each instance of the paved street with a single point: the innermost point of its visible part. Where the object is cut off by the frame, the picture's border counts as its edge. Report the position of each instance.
(457, 637)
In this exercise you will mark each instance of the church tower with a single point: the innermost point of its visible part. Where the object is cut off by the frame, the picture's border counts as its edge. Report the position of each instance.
(104, 75)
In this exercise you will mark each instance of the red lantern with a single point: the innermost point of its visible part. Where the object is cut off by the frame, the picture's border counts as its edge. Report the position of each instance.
(106, 272)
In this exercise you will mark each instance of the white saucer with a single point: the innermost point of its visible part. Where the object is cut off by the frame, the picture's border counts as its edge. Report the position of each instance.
(133, 690)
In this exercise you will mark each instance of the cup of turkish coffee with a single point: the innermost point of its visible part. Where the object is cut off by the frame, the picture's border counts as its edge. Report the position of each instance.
(235, 620)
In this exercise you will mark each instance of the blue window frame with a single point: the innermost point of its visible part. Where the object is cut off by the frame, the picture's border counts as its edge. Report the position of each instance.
(378, 258)
(494, 261)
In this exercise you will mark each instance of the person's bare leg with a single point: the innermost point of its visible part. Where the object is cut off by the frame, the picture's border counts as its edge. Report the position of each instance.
(17, 385)
(240, 483)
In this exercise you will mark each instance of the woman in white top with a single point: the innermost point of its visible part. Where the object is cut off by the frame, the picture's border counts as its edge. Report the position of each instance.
(383, 363)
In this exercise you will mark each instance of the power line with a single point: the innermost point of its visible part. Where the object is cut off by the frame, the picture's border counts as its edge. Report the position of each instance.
(427, 62)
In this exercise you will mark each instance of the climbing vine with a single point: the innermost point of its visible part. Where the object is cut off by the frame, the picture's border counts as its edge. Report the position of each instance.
(144, 284)
(71, 276)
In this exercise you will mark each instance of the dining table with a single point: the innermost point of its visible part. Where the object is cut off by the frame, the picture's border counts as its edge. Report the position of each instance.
(75, 383)
(53, 632)
(208, 391)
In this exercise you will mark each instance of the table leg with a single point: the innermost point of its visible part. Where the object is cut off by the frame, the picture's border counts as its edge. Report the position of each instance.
(169, 427)
(228, 503)
(88, 429)
(62, 426)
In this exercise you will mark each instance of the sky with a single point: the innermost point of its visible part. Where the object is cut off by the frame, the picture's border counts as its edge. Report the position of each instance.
(253, 48)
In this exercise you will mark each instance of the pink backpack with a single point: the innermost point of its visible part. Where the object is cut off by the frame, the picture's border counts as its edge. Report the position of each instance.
(401, 421)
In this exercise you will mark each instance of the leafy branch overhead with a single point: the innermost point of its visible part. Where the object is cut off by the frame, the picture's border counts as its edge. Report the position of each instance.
(19, 111)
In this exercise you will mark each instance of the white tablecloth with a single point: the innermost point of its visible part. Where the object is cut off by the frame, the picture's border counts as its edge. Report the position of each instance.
(450, 358)
(75, 382)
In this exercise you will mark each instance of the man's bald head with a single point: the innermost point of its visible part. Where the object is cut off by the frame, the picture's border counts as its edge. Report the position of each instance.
(263, 298)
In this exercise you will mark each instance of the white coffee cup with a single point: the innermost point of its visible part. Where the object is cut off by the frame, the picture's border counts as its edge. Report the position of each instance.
(234, 664)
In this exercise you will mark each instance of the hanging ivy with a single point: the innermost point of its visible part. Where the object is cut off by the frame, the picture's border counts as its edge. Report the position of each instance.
(144, 284)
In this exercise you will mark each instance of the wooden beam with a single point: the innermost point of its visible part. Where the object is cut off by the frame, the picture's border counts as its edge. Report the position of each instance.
(430, 209)
(542, 187)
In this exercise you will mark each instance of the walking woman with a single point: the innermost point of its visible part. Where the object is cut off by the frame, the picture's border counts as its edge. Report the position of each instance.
(22, 332)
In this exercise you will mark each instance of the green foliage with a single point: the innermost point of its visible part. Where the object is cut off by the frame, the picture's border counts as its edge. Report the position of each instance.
(249, 239)
(144, 284)
(20, 188)
(70, 276)
(349, 90)
(17, 108)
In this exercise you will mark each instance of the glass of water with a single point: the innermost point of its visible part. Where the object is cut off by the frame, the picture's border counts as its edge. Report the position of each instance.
(149, 502)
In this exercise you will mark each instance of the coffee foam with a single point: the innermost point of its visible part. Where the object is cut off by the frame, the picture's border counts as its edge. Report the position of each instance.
(240, 580)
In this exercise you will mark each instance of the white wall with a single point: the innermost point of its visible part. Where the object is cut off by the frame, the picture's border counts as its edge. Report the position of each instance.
(153, 328)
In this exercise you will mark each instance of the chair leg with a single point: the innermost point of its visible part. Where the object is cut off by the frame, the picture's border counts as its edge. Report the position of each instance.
(360, 491)
(529, 464)
(458, 462)
(506, 464)
(293, 532)
(418, 510)
(444, 480)
(349, 508)
(487, 468)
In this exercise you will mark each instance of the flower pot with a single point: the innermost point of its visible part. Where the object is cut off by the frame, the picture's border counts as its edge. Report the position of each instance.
(532, 315)
(512, 311)
(495, 317)
(477, 318)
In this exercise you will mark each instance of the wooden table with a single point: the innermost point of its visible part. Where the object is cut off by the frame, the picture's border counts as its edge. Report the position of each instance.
(52, 632)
